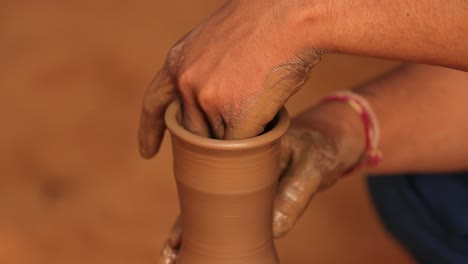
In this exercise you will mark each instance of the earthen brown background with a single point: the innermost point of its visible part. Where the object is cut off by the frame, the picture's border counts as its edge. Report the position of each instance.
(73, 188)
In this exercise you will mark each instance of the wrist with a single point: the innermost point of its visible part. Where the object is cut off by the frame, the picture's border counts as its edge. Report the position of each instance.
(351, 134)
(372, 155)
(337, 121)
(309, 22)
(350, 27)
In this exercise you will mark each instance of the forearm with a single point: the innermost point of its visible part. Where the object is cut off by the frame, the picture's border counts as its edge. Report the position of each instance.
(422, 111)
(431, 31)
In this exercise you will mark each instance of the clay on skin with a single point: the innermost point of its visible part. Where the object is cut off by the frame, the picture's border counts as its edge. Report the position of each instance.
(226, 190)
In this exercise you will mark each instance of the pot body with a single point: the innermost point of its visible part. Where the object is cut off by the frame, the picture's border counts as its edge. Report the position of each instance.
(226, 191)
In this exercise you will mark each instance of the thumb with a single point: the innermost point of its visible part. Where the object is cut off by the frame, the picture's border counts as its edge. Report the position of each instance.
(159, 95)
(296, 188)
(312, 166)
(161, 92)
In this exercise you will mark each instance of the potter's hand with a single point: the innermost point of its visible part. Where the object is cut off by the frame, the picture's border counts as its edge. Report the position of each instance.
(233, 72)
(322, 144)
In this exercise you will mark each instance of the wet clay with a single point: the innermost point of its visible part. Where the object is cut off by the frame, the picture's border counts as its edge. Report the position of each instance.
(226, 190)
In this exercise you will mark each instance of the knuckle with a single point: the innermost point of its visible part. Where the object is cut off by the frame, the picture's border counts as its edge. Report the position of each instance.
(207, 99)
(293, 195)
(186, 82)
(173, 59)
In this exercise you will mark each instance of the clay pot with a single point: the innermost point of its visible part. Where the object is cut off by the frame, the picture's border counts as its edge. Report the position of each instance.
(226, 190)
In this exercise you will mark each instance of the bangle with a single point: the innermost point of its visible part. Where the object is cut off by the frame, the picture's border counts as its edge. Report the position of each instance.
(372, 156)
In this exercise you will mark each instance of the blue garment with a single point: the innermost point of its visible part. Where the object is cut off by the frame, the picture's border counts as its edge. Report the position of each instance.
(428, 214)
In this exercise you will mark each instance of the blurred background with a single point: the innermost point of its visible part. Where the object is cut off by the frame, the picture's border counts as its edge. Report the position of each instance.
(73, 188)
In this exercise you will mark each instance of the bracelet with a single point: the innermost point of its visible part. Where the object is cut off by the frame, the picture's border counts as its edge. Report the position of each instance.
(372, 156)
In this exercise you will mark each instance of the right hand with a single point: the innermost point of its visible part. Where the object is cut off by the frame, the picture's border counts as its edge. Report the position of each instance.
(322, 144)
(233, 72)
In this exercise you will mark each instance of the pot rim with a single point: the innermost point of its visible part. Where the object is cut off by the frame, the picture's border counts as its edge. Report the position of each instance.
(179, 131)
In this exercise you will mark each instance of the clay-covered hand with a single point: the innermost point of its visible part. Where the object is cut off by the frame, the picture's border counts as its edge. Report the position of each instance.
(322, 143)
(233, 72)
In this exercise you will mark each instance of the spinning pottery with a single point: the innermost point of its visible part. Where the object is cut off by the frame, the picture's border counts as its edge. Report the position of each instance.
(226, 190)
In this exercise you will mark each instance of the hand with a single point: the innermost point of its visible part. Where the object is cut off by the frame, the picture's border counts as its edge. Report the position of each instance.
(321, 145)
(233, 72)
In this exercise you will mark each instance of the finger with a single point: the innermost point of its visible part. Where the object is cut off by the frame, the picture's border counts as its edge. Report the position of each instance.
(206, 119)
(285, 151)
(217, 125)
(296, 188)
(161, 92)
(159, 95)
(194, 119)
(170, 250)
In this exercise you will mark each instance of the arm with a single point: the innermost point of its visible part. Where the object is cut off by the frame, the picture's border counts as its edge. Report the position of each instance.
(422, 112)
(235, 70)
(423, 115)
(428, 31)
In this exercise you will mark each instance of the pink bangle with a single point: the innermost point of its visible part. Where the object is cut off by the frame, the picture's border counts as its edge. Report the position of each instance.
(372, 156)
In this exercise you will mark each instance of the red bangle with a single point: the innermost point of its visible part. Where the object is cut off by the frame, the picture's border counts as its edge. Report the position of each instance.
(372, 156)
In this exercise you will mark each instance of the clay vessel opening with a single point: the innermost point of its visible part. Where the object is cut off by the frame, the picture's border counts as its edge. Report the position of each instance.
(273, 130)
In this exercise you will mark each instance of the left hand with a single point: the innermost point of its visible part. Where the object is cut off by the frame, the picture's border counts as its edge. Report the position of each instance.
(233, 72)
